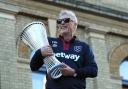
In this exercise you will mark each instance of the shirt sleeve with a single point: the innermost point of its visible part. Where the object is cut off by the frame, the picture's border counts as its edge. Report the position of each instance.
(89, 68)
(36, 61)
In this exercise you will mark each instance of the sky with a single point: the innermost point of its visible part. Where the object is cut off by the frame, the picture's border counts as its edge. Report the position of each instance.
(38, 80)
(124, 70)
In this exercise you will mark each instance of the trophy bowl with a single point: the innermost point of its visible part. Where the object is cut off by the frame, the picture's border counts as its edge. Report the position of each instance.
(34, 35)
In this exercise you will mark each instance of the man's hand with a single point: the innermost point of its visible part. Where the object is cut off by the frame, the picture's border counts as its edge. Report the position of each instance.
(46, 51)
(67, 70)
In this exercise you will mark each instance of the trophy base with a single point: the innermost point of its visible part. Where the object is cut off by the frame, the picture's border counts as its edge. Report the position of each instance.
(55, 73)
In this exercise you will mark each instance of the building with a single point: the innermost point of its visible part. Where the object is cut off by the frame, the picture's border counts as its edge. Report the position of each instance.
(102, 24)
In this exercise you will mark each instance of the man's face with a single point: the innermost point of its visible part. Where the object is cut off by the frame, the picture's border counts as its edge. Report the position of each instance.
(66, 25)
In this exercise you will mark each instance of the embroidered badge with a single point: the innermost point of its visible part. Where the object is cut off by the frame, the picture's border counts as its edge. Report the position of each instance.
(54, 44)
(77, 48)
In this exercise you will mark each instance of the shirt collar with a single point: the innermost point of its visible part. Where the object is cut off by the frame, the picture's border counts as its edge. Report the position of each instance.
(70, 41)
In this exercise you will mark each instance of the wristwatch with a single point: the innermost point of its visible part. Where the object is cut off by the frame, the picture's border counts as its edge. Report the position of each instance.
(75, 74)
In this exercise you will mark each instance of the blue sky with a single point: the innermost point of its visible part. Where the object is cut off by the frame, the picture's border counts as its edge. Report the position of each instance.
(38, 80)
(124, 70)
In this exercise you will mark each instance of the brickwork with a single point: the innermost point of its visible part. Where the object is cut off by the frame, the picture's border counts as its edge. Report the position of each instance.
(117, 52)
(117, 57)
(97, 42)
(8, 68)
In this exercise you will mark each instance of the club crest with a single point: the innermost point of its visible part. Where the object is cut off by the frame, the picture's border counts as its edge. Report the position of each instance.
(77, 48)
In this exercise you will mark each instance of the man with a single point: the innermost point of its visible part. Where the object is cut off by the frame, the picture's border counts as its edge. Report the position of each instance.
(77, 56)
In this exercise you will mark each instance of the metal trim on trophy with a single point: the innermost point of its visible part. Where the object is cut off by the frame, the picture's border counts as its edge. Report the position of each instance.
(34, 35)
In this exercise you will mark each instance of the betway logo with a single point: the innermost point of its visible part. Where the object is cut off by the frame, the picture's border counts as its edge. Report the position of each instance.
(68, 56)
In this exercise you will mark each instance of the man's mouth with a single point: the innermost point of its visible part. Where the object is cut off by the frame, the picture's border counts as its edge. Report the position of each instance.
(64, 27)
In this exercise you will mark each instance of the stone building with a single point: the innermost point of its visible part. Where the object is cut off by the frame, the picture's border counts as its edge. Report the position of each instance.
(102, 24)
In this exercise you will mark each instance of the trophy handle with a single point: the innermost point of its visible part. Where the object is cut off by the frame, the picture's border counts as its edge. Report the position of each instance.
(53, 66)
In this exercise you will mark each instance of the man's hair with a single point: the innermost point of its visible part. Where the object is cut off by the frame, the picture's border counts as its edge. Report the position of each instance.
(70, 14)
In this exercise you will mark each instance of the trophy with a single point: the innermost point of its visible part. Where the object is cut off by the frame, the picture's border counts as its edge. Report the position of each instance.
(34, 35)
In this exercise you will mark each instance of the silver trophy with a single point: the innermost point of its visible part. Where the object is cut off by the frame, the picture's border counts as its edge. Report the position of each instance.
(34, 35)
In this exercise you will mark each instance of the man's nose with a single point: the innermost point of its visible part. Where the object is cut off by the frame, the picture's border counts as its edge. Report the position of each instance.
(62, 22)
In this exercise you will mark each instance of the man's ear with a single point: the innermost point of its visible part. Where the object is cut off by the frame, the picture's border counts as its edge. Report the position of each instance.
(75, 28)
(75, 25)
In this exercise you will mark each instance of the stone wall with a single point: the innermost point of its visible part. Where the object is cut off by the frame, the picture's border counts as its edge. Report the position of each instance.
(8, 70)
